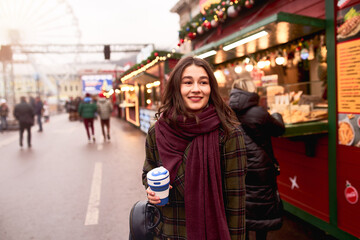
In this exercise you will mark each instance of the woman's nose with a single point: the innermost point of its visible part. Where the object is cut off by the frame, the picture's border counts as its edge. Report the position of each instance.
(195, 87)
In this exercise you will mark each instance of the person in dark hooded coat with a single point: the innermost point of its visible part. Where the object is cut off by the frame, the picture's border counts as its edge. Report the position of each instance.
(263, 204)
(24, 113)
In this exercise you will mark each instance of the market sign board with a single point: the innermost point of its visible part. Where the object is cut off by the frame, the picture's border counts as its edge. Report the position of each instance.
(348, 75)
(95, 84)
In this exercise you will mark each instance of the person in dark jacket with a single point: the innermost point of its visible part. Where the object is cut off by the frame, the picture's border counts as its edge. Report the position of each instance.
(38, 109)
(24, 113)
(87, 110)
(263, 204)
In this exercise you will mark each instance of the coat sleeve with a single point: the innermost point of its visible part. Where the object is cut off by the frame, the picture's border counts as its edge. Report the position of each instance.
(275, 124)
(151, 154)
(234, 172)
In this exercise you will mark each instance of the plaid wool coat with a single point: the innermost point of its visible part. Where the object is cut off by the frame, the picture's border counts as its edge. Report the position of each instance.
(233, 164)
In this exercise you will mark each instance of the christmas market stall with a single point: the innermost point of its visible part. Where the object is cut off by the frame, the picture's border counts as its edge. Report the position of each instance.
(142, 86)
(288, 49)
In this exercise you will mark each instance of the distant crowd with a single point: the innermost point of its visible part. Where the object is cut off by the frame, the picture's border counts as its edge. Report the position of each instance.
(87, 110)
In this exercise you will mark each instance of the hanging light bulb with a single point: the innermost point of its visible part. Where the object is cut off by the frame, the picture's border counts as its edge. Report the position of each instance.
(249, 67)
(238, 69)
(261, 64)
(267, 62)
(280, 60)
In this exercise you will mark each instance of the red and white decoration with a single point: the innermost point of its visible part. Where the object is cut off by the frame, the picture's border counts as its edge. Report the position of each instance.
(351, 194)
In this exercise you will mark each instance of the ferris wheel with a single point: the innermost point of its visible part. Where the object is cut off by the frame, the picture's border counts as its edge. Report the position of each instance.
(38, 22)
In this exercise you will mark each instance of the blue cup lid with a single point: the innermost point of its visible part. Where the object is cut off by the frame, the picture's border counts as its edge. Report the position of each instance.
(158, 173)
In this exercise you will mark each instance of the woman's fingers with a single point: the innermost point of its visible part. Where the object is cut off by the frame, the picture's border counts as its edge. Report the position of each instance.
(152, 198)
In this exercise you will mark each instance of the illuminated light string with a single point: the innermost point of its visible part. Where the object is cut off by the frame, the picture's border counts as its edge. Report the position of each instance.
(144, 68)
(147, 66)
(154, 84)
(279, 55)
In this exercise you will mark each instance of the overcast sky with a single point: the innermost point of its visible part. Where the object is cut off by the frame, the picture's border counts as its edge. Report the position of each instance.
(131, 21)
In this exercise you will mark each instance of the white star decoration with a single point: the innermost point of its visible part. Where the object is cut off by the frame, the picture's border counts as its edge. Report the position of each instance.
(293, 183)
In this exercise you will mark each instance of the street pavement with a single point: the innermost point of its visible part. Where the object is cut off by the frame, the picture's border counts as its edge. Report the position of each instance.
(64, 188)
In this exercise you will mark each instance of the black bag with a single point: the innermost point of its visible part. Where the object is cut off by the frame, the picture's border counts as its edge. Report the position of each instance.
(141, 220)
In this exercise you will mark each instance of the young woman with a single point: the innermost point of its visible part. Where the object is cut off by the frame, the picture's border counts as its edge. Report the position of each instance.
(196, 138)
(263, 203)
(87, 110)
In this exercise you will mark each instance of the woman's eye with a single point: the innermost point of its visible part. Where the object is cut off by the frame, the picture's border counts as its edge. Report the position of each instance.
(204, 82)
(187, 82)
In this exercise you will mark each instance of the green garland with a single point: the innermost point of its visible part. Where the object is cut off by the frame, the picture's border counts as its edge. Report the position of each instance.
(153, 55)
(217, 12)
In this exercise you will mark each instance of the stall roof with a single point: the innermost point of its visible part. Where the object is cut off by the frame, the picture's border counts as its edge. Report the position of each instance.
(281, 28)
(143, 78)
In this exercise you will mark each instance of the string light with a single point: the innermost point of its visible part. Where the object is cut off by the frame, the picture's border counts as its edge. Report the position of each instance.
(249, 67)
(280, 60)
(145, 67)
(238, 69)
(261, 64)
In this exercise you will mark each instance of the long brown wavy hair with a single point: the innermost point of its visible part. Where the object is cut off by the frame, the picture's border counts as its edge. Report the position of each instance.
(173, 104)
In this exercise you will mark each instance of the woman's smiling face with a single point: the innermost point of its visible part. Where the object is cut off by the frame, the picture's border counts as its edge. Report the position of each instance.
(195, 88)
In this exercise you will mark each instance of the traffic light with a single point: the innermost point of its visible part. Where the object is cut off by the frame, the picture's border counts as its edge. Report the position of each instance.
(107, 52)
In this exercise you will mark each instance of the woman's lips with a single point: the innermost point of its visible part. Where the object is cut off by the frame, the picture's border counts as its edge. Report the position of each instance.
(195, 99)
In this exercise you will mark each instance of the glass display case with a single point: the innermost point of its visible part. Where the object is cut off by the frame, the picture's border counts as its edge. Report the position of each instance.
(296, 102)
(302, 106)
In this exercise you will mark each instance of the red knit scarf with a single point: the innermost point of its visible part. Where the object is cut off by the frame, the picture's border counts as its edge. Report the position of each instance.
(204, 206)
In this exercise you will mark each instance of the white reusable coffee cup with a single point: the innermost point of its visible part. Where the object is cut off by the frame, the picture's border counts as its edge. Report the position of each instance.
(159, 181)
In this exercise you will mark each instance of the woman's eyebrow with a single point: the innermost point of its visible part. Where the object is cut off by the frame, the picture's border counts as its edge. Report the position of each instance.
(191, 77)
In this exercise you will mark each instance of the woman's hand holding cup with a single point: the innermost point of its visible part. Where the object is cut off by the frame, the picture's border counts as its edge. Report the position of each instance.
(152, 198)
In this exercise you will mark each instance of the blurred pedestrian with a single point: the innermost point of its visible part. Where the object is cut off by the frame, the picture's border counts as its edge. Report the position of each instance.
(4, 112)
(32, 102)
(263, 204)
(46, 112)
(24, 113)
(196, 138)
(104, 109)
(38, 109)
(87, 110)
(72, 108)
